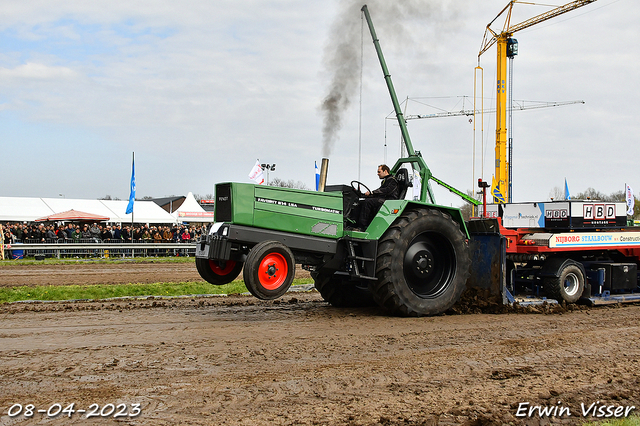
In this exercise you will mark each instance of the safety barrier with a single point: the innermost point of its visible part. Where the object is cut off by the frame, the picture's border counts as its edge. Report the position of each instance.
(92, 248)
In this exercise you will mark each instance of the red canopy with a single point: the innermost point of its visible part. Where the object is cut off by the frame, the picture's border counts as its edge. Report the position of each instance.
(71, 215)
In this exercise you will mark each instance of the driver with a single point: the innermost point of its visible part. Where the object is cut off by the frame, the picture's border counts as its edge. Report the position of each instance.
(373, 200)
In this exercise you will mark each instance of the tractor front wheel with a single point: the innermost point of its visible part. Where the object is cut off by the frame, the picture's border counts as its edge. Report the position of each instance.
(269, 270)
(422, 264)
(218, 272)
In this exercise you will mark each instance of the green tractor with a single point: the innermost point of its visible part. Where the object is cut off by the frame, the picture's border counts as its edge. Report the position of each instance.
(412, 260)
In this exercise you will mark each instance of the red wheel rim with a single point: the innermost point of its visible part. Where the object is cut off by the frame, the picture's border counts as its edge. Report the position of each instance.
(273, 271)
(228, 267)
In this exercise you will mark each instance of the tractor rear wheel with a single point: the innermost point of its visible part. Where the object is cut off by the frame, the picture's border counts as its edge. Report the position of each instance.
(269, 270)
(340, 291)
(218, 272)
(422, 264)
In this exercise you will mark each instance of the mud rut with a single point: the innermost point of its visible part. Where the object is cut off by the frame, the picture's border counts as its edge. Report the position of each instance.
(240, 361)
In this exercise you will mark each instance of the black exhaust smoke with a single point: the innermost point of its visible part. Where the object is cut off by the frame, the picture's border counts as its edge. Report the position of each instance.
(343, 50)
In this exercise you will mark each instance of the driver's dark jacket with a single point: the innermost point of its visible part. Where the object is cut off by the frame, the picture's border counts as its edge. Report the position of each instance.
(388, 190)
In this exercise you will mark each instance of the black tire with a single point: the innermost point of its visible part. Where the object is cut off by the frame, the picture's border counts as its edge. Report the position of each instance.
(340, 291)
(218, 272)
(422, 264)
(568, 286)
(269, 270)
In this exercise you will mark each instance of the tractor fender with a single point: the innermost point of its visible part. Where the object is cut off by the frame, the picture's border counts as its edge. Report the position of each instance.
(554, 266)
(392, 209)
(454, 212)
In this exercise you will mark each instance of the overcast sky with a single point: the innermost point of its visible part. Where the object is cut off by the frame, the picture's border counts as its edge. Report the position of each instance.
(201, 89)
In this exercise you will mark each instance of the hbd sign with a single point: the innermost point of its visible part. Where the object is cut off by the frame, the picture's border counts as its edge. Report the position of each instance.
(556, 214)
(599, 211)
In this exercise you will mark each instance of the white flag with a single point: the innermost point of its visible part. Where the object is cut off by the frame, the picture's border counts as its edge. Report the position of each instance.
(417, 185)
(630, 200)
(256, 173)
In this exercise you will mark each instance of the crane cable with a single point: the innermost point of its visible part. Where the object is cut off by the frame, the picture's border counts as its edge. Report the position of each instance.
(360, 112)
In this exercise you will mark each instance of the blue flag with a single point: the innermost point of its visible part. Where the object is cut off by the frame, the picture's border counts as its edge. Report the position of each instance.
(317, 176)
(567, 196)
(132, 194)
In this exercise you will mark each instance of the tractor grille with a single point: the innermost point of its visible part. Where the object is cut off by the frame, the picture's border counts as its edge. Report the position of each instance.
(223, 203)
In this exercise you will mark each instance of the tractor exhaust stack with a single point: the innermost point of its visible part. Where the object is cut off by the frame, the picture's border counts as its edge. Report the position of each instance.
(323, 174)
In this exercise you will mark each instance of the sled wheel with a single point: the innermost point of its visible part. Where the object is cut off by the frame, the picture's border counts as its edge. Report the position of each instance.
(568, 286)
(422, 264)
(269, 270)
(342, 292)
(218, 272)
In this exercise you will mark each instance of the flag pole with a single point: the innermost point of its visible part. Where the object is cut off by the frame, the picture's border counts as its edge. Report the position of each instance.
(133, 162)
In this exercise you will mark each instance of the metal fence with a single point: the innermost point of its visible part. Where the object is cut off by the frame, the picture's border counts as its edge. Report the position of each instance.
(96, 248)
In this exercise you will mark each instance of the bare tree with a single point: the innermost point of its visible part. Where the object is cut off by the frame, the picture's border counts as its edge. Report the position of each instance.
(591, 194)
(288, 184)
(557, 193)
(468, 210)
(199, 197)
(617, 196)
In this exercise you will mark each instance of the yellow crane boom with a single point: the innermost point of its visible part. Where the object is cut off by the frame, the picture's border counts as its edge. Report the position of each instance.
(500, 187)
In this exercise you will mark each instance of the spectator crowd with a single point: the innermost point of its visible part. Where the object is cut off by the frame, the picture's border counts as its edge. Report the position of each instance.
(41, 233)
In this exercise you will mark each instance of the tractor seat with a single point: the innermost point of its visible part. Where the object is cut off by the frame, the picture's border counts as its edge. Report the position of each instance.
(402, 177)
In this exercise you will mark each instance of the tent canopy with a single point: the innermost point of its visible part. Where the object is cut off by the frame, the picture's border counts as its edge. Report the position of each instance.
(73, 215)
(23, 209)
(191, 211)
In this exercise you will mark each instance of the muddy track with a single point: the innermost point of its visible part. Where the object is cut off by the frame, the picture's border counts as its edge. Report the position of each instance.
(240, 361)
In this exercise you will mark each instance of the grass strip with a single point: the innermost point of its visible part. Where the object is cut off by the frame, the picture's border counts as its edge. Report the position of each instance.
(102, 291)
(632, 420)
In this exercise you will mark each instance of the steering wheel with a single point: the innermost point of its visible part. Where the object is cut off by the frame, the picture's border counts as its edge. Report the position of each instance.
(355, 185)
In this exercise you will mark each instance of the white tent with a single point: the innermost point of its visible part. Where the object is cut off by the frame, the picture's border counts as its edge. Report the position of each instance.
(23, 209)
(191, 211)
(143, 212)
(18, 209)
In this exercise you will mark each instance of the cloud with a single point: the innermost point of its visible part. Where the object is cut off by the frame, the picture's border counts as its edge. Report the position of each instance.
(35, 71)
(219, 84)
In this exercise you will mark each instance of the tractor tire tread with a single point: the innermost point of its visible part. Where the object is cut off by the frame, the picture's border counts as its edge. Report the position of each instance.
(338, 291)
(385, 290)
